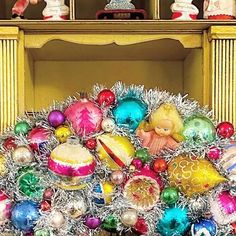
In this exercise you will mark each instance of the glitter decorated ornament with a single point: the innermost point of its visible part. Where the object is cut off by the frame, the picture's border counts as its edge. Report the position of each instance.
(5, 207)
(228, 161)
(197, 206)
(223, 208)
(129, 217)
(173, 222)
(76, 208)
(193, 175)
(24, 215)
(225, 130)
(110, 223)
(204, 227)
(62, 133)
(22, 155)
(103, 193)
(129, 112)
(92, 222)
(106, 98)
(115, 152)
(22, 128)
(85, 117)
(199, 129)
(142, 190)
(108, 125)
(72, 163)
(56, 118)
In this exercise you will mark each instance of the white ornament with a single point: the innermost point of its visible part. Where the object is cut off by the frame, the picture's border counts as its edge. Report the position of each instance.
(129, 217)
(57, 219)
(108, 125)
(76, 208)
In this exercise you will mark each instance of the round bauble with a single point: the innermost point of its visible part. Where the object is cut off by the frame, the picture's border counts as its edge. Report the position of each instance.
(22, 127)
(56, 219)
(170, 195)
(108, 125)
(204, 227)
(85, 117)
(225, 130)
(160, 165)
(42, 232)
(115, 151)
(22, 155)
(129, 217)
(76, 208)
(199, 129)
(92, 222)
(106, 98)
(24, 215)
(117, 177)
(48, 193)
(62, 133)
(9, 143)
(143, 155)
(5, 207)
(137, 163)
(110, 223)
(129, 112)
(56, 118)
(197, 206)
(91, 143)
(73, 164)
(45, 205)
(141, 226)
(214, 153)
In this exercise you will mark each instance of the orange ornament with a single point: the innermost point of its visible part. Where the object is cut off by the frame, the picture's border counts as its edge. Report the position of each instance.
(160, 165)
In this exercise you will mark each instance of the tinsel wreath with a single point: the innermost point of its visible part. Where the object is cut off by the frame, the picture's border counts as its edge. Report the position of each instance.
(123, 159)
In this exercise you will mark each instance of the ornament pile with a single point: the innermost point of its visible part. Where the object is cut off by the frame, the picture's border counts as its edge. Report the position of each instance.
(123, 159)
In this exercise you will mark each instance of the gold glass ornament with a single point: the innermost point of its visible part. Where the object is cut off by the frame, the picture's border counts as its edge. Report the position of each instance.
(62, 133)
(2, 165)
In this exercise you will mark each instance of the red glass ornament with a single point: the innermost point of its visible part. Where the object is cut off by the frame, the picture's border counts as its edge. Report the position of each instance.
(48, 193)
(106, 97)
(225, 129)
(160, 165)
(141, 226)
(233, 225)
(9, 143)
(45, 205)
(214, 153)
(91, 143)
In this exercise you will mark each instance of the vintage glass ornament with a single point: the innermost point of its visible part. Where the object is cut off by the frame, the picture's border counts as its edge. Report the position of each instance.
(9, 143)
(42, 232)
(37, 137)
(106, 98)
(141, 226)
(30, 183)
(56, 118)
(199, 129)
(142, 190)
(174, 221)
(48, 193)
(129, 112)
(170, 195)
(115, 151)
(22, 127)
(108, 125)
(3, 169)
(24, 215)
(85, 117)
(143, 155)
(223, 208)
(137, 163)
(5, 207)
(233, 226)
(129, 217)
(160, 165)
(91, 143)
(204, 227)
(56, 219)
(72, 163)
(214, 153)
(22, 155)
(76, 208)
(117, 177)
(45, 205)
(197, 206)
(110, 223)
(103, 193)
(62, 133)
(92, 222)
(228, 161)
(225, 129)
(193, 175)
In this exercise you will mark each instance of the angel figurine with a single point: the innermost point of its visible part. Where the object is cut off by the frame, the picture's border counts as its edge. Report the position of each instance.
(219, 9)
(120, 5)
(184, 10)
(20, 7)
(163, 130)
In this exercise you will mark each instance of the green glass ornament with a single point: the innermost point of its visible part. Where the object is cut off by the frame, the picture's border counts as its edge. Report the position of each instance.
(29, 184)
(199, 129)
(42, 232)
(22, 127)
(143, 155)
(110, 224)
(170, 195)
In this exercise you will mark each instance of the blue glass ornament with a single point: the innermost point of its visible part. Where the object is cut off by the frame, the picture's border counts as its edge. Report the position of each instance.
(24, 215)
(199, 129)
(129, 113)
(204, 227)
(174, 222)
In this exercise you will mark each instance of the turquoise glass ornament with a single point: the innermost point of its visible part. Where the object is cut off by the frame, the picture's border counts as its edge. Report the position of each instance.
(129, 113)
(174, 222)
(199, 129)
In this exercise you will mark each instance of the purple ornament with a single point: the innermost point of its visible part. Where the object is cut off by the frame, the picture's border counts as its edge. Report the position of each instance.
(56, 118)
(137, 163)
(92, 222)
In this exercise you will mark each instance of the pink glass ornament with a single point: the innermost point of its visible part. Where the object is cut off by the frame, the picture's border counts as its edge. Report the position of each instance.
(5, 207)
(117, 177)
(225, 129)
(227, 202)
(92, 222)
(85, 117)
(137, 163)
(214, 153)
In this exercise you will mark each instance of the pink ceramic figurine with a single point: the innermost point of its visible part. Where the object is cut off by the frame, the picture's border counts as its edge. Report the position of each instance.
(20, 6)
